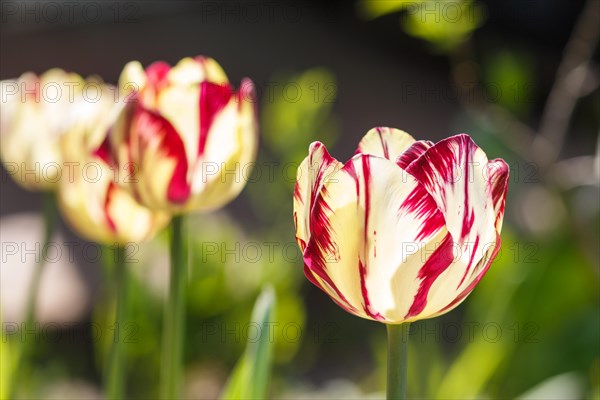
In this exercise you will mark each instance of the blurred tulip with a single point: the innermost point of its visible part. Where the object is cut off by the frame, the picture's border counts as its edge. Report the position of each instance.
(36, 111)
(405, 229)
(186, 138)
(89, 197)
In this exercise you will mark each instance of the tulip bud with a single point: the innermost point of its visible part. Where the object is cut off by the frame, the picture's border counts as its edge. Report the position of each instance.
(405, 229)
(185, 136)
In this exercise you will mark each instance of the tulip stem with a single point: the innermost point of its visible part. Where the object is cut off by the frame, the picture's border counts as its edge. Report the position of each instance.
(397, 360)
(49, 213)
(115, 375)
(174, 319)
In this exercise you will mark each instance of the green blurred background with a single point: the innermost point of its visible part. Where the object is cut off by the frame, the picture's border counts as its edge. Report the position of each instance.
(521, 77)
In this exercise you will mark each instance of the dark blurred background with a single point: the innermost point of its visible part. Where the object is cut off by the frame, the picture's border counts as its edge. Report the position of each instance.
(330, 71)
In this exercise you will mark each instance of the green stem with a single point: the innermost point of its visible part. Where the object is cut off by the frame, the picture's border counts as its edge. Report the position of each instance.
(397, 360)
(115, 375)
(174, 319)
(49, 213)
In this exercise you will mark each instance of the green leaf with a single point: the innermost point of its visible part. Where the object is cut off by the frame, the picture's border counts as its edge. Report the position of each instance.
(250, 377)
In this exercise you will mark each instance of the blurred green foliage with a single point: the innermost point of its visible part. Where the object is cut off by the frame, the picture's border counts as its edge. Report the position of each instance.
(300, 113)
(510, 80)
(443, 24)
(8, 350)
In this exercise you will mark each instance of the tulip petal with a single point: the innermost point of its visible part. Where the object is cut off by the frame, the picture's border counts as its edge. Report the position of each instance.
(482, 267)
(365, 222)
(213, 98)
(385, 142)
(102, 211)
(440, 289)
(314, 171)
(455, 172)
(132, 78)
(438, 262)
(497, 173)
(231, 142)
(34, 116)
(157, 76)
(412, 153)
(163, 153)
(192, 71)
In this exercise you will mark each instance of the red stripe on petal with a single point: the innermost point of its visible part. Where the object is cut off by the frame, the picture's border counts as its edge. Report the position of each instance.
(298, 193)
(151, 126)
(349, 168)
(343, 303)
(325, 161)
(441, 169)
(321, 246)
(412, 153)
(471, 258)
(299, 240)
(309, 275)
(104, 151)
(321, 243)
(468, 218)
(366, 175)
(384, 145)
(317, 168)
(469, 289)
(498, 175)
(420, 203)
(213, 98)
(109, 192)
(362, 268)
(437, 166)
(437, 263)
(321, 273)
(156, 75)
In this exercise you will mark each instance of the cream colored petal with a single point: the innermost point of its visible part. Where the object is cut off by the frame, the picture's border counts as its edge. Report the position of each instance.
(179, 105)
(370, 218)
(455, 172)
(231, 144)
(132, 78)
(316, 169)
(191, 71)
(385, 142)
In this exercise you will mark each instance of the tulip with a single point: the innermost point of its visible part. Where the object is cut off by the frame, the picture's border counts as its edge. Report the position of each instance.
(186, 140)
(94, 204)
(89, 196)
(185, 137)
(401, 232)
(36, 111)
(405, 229)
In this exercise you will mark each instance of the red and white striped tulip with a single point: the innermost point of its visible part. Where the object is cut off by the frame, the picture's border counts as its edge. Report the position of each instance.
(186, 137)
(405, 229)
(36, 111)
(89, 196)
